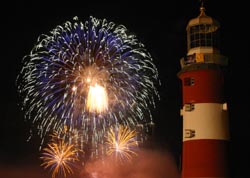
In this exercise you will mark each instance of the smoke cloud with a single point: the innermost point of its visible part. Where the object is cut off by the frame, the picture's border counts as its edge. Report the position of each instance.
(148, 164)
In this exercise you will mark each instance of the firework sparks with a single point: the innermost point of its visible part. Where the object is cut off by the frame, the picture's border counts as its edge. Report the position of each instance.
(121, 141)
(59, 157)
(88, 76)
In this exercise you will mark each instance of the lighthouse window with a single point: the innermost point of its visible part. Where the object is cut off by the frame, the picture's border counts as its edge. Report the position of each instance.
(188, 81)
(189, 107)
(203, 35)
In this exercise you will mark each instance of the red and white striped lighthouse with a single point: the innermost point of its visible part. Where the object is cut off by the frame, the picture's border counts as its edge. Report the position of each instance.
(204, 111)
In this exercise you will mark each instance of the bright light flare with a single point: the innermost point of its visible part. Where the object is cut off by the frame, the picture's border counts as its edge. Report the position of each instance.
(97, 100)
(121, 143)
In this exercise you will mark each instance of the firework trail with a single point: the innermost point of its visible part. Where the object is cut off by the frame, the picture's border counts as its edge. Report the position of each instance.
(121, 143)
(88, 76)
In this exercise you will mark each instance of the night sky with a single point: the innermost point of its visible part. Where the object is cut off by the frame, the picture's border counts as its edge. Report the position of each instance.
(161, 28)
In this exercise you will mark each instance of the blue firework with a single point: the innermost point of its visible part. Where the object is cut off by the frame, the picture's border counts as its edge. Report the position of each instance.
(57, 74)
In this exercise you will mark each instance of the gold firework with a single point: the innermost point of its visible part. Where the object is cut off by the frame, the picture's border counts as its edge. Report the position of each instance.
(121, 141)
(60, 157)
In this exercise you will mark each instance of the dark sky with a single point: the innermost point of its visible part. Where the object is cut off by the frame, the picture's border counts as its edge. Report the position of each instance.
(161, 27)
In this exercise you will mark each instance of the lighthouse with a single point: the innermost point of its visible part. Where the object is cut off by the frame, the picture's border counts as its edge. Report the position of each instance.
(204, 109)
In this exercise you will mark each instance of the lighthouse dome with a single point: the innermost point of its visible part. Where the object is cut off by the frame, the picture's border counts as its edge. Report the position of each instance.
(203, 19)
(203, 34)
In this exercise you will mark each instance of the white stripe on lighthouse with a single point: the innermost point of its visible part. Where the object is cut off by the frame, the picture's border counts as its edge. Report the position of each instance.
(205, 121)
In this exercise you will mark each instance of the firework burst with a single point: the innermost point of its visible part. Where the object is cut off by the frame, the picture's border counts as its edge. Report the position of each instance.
(88, 76)
(121, 143)
(59, 156)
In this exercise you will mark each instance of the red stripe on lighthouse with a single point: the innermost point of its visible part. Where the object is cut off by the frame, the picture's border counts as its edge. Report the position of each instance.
(205, 158)
(207, 86)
